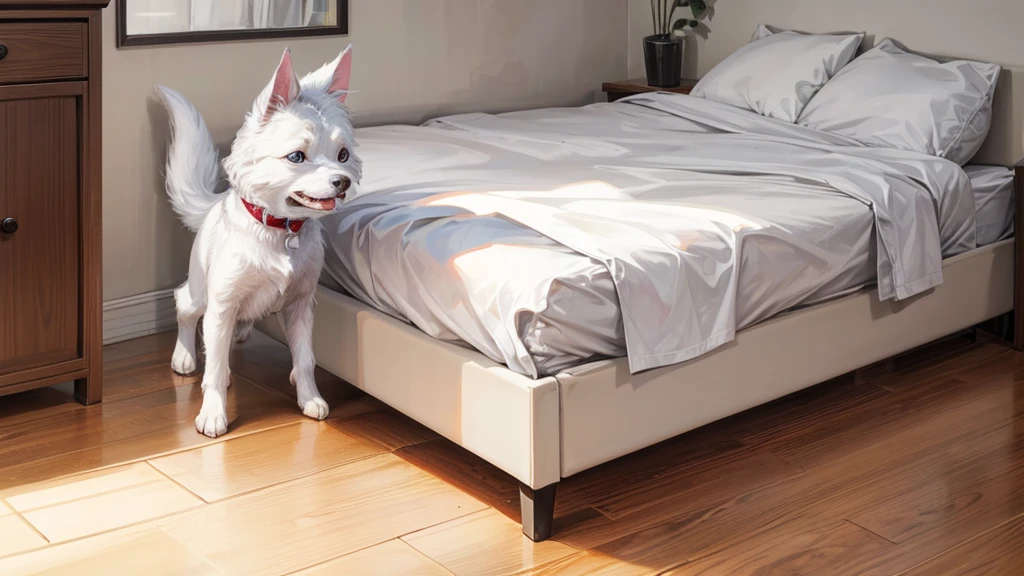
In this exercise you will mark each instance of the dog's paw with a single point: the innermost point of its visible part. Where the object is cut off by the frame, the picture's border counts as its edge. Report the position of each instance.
(213, 424)
(316, 408)
(183, 361)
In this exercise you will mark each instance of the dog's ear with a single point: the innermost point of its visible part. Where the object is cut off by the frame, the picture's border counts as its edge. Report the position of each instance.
(280, 92)
(333, 77)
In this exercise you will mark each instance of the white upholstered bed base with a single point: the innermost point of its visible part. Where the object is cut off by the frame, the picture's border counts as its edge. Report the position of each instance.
(540, 431)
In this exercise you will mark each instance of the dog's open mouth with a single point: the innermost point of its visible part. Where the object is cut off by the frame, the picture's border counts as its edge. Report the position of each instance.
(300, 199)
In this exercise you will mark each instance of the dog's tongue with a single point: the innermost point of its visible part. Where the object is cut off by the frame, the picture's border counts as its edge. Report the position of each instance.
(315, 203)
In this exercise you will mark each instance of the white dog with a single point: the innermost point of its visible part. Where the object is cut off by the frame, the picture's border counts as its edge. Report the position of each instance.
(259, 247)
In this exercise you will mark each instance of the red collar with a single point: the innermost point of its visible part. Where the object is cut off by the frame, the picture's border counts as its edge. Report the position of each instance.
(263, 216)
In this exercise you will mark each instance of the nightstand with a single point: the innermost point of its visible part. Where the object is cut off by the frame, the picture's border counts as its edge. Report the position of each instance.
(616, 90)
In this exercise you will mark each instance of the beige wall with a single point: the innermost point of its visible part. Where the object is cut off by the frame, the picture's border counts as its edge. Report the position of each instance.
(413, 59)
(982, 29)
(454, 56)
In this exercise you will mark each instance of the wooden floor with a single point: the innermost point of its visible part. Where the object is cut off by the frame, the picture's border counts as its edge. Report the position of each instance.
(914, 469)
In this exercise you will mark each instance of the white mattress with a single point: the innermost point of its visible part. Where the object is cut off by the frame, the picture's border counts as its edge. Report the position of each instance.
(449, 276)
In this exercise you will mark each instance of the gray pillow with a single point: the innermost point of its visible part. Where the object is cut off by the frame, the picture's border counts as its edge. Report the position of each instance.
(778, 73)
(891, 98)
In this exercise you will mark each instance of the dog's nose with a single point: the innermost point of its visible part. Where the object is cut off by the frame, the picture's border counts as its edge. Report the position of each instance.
(341, 183)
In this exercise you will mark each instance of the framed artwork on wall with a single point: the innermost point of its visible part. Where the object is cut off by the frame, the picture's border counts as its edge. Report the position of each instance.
(156, 22)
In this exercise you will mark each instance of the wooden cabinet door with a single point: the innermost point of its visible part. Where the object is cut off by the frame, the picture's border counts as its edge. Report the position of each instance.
(39, 263)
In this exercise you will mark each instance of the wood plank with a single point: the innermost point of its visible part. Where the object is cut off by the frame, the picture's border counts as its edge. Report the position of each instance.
(980, 496)
(681, 506)
(469, 473)
(261, 360)
(387, 428)
(16, 535)
(808, 483)
(698, 522)
(475, 476)
(827, 549)
(886, 559)
(687, 459)
(134, 368)
(143, 375)
(263, 459)
(161, 343)
(268, 363)
(950, 358)
(79, 506)
(951, 406)
(638, 473)
(308, 521)
(485, 543)
(982, 487)
(796, 414)
(392, 558)
(997, 552)
(588, 564)
(833, 417)
(950, 411)
(737, 471)
(132, 429)
(142, 366)
(140, 550)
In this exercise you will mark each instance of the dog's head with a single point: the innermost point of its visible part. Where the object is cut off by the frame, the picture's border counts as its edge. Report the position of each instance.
(295, 153)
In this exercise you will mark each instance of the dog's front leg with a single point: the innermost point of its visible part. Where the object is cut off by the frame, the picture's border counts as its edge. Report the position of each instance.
(298, 318)
(218, 329)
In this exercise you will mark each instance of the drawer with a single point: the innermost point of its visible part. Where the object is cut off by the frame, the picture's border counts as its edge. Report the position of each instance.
(39, 51)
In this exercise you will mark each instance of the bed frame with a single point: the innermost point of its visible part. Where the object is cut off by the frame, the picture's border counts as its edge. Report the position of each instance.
(541, 431)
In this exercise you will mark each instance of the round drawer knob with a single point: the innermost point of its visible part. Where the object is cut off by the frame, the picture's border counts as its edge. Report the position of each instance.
(9, 226)
(3, 51)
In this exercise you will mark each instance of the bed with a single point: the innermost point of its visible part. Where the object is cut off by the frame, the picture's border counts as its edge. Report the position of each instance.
(553, 289)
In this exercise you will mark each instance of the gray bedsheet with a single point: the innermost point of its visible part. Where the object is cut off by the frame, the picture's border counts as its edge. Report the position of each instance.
(655, 227)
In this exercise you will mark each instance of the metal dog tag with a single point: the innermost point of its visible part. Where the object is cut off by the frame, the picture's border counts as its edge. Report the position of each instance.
(291, 242)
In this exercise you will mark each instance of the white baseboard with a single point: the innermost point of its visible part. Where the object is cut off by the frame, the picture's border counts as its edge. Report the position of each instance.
(135, 316)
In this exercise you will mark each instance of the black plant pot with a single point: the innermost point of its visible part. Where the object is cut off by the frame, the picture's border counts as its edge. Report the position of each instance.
(663, 54)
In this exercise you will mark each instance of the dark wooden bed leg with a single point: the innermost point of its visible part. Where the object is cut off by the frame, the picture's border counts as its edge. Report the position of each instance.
(538, 511)
(1000, 327)
(1018, 244)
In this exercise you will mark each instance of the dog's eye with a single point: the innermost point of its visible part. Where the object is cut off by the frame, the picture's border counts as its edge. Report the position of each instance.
(343, 155)
(296, 157)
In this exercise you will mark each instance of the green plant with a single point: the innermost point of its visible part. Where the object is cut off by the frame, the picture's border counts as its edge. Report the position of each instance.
(663, 13)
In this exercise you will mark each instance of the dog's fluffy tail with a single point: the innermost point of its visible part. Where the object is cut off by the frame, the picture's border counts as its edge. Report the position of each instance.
(192, 161)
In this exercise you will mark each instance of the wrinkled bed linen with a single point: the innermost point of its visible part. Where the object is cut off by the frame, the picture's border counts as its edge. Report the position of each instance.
(993, 202)
(656, 226)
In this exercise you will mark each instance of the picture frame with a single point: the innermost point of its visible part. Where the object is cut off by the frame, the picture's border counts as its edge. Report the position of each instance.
(338, 26)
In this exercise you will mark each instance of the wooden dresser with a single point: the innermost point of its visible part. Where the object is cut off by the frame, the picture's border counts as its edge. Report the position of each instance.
(51, 324)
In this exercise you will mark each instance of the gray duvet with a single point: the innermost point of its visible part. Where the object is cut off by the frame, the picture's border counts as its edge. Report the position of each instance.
(654, 227)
